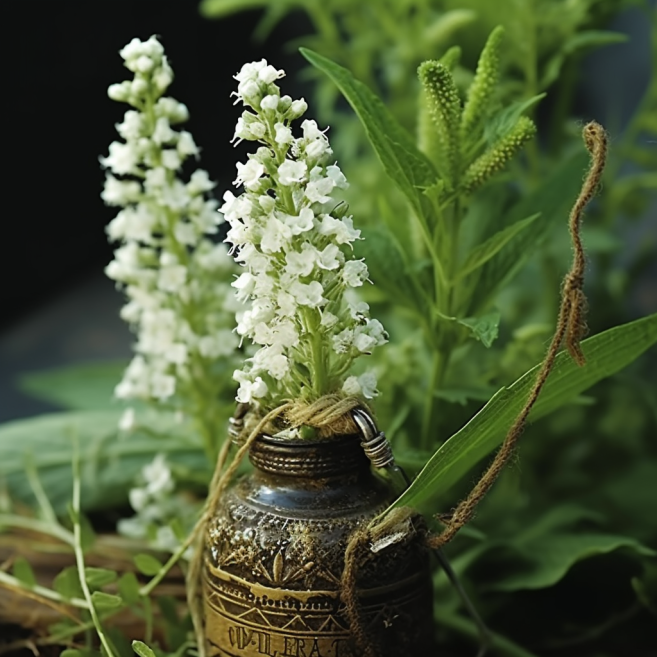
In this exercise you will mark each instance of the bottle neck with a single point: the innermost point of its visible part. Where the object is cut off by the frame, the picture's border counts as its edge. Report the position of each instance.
(335, 457)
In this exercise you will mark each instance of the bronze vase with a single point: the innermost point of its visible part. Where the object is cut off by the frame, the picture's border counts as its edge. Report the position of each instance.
(275, 554)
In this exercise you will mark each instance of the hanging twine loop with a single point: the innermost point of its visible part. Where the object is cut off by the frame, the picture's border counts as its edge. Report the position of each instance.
(570, 328)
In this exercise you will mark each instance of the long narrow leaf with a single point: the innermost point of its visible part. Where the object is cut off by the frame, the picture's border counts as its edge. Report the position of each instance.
(605, 353)
(109, 460)
(553, 200)
(408, 167)
(485, 251)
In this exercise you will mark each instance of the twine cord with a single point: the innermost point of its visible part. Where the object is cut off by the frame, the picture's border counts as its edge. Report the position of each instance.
(571, 327)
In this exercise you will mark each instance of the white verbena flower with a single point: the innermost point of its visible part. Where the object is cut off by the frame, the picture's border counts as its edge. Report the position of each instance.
(175, 277)
(294, 241)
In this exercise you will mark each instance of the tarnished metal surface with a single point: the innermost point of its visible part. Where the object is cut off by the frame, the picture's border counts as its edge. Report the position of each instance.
(275, 555)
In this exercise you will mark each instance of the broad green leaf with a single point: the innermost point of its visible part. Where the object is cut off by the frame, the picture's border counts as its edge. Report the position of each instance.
(89, 386)
(67, 583)
(129, 588)
(23, 572)
(408, 167)
(485, 329)
(388, 270)
(546, 559)
(222, 8)
(109, 460)
(105, 601)
(99, 577)
(147, 564)
(142, 649)
(605, 354)
(553, 200)
(485, 251)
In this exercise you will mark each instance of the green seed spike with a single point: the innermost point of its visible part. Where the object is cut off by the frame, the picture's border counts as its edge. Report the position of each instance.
(451, 58)
(484, 83)
(495, 159)
(444, 107)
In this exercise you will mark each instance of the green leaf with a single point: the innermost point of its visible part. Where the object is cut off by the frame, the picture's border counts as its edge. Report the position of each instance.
(147, 564)
(67, 583)
(99, 577)
(85, 387)
(503, 121)
(553, 200)
(87, 533)
(605, 353)
(109, 460)
(129, 588)
(408, 167)
(387, 267)
(23, 572)
(71, 652)
(546, 559)
(222, 8)
(485, 329)
(142, 649)
(645, 587)
(486, 250)
(105, 601)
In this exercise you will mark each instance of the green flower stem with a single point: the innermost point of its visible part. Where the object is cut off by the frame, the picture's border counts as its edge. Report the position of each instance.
(438, 370)
(79, 555)
(44, 592)
(41, 526)
(161, 574)
(320, 379)
(41, 497)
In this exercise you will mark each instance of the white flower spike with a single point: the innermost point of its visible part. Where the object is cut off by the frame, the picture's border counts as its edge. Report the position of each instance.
(175, 277)
(294, 241)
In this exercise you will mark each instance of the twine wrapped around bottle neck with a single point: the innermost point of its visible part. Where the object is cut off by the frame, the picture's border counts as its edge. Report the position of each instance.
(329, 415)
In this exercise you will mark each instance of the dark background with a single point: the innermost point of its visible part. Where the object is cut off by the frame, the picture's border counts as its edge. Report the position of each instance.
(56, 306)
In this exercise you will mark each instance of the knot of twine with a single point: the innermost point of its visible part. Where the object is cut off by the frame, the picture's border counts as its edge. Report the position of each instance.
(329, 415)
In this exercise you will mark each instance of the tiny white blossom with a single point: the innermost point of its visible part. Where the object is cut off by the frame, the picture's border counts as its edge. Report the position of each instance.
(291, 172)
(355, 272)
(127, 421)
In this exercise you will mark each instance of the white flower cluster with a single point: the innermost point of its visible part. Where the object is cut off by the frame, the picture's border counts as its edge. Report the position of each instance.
(168, 267)
(156, 507)
(295, 244)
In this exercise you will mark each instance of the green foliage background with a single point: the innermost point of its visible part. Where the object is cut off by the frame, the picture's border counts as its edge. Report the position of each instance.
(561, 558)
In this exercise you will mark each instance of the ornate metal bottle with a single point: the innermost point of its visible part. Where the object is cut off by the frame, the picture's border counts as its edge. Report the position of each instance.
(275, 553)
